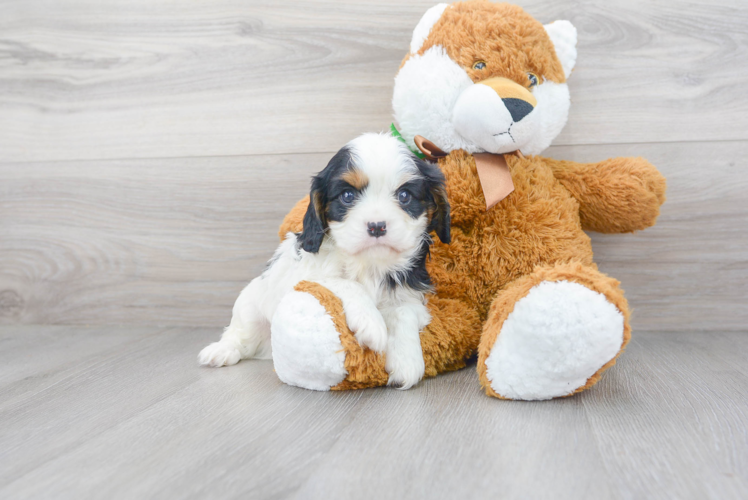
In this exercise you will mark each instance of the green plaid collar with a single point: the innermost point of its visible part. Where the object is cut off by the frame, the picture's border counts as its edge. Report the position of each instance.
(396, 134)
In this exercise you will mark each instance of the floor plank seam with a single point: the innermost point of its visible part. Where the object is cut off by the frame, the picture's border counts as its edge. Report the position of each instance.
(4, 163)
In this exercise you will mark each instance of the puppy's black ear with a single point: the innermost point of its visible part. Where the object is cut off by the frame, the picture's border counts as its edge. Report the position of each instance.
(314, 221)
(440, 219)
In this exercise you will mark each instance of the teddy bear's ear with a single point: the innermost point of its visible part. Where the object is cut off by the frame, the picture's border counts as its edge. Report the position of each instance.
(563, 34)
(429, 19)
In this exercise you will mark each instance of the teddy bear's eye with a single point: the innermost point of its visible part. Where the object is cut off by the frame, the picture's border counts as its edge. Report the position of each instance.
(533, 79)
(479, 65)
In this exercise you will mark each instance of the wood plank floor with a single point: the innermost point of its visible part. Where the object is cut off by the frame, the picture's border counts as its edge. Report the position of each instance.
(126, 413)
(86, 79)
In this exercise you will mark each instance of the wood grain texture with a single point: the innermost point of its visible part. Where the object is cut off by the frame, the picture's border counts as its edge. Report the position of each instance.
(173, 241)
(32, 359)
(682, 395)
(140, 419)
(139, 79)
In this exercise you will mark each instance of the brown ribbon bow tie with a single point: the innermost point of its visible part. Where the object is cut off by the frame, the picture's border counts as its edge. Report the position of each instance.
(493, 170)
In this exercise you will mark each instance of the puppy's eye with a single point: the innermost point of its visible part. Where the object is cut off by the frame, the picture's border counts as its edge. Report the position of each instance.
(404, 197)
(479, 65)
(533, 79)
(347, 197)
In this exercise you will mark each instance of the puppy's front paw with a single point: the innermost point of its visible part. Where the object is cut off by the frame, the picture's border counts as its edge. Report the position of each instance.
(219, 354)
(370, 330)
(406, 369)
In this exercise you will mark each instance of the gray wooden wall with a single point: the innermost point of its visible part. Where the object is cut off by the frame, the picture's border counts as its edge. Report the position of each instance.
(149, 149)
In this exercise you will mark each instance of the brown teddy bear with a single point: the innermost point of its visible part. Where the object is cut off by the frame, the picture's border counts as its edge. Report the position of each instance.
(483, 91)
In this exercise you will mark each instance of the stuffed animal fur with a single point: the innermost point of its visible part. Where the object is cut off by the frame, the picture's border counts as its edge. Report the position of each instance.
(518, 284)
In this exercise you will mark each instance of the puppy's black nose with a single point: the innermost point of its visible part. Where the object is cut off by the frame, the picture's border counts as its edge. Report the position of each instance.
(376, 229)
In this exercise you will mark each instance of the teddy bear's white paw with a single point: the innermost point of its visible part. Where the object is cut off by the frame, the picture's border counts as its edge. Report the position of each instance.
(219, 354)
(306, 345)
(555, 339)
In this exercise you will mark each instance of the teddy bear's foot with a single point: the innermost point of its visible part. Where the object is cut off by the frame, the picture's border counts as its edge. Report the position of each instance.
(552, 333)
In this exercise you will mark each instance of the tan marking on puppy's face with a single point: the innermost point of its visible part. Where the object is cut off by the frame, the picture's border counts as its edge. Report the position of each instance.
(356, 178)
(510, 42)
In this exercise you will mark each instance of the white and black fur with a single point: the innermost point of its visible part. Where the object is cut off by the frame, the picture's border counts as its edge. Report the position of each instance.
(366, 238)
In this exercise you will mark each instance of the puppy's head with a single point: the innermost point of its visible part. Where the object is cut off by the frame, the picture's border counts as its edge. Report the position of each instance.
(375, 196)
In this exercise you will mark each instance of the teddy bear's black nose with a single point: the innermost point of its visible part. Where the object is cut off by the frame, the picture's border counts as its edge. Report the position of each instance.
(517, 108)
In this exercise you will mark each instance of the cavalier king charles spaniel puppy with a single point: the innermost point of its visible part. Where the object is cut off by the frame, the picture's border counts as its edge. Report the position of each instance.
(365, 238)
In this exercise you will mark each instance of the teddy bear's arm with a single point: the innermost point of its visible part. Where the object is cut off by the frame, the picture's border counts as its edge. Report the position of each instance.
(618, 195)
(293, 221)
(307, 348)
